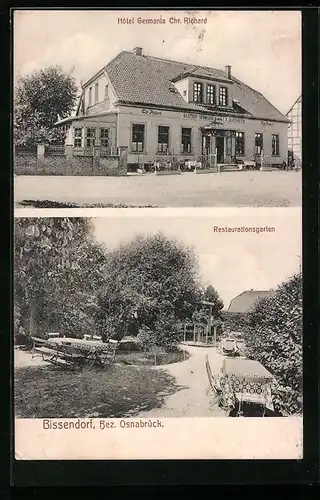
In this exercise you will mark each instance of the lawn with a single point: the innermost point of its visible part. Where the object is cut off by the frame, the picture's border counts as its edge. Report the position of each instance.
(243, 189)
(148, 359)
(121, 391)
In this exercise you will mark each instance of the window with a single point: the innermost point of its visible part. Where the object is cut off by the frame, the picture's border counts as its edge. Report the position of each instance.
(163, 139)
(197, 92)
(106, 91)
(90, 96)
(104, 137)
(223, 96)
(77, 138)
(186, 140)
(137, 143)
(240, 144)
(258, 144)
(90, 137)
(96, 92)
(211, 94)
(275, 145)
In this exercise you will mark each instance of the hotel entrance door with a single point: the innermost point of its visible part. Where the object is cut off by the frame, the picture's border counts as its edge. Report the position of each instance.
(220, 149)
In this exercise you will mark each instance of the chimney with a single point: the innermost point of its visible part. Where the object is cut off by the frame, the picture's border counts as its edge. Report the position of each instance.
(228, 72)
(138, 51)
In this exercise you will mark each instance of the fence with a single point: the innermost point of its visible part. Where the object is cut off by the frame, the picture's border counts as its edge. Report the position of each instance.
(67, 160)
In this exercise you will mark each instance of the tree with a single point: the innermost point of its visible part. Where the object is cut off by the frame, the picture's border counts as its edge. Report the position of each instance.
(275, 339)
(57, 272)
(39, 99)
(211, 295)
(148, 277)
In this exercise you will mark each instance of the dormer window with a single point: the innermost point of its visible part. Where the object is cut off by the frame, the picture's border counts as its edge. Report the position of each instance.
(211, 94)
(223, 96)
(197, 92)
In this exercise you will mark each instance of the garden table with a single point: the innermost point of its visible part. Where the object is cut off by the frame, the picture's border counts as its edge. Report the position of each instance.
(246, 381)
(89, 352)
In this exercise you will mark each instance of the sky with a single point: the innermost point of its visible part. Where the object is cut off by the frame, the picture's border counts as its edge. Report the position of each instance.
(263, 48)
(231, 262)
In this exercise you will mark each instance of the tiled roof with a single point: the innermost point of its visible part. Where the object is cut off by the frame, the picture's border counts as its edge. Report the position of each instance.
(244, 302)
(148, 80)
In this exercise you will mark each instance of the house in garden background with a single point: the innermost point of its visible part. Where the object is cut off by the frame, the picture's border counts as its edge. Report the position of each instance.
(244, 302)
(156, 106)
(295, 131)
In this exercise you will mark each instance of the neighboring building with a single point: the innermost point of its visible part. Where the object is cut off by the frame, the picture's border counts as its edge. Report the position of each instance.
(154, 106)
(295, 131)
(243, 303)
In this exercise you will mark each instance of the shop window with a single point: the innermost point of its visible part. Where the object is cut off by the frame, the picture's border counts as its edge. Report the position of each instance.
(240, 144)
(137, 143)
(77, 137)
(258, 143)
(90, 137)
(105, 137)
(211, 94)
(90, 96)
(163, 139)
(275, 145)
(223, 96)
(186, 140)
(96, 93)
(197, 92)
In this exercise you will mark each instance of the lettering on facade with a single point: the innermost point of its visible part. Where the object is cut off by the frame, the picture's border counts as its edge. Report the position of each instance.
(218, 120)
(263, 122)
(153, 112)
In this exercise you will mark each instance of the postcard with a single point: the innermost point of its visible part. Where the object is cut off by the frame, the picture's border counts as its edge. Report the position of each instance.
(157, 235)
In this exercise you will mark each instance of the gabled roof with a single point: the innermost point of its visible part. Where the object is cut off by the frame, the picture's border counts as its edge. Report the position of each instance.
(295, 102)
(244, 302)
(146, 80)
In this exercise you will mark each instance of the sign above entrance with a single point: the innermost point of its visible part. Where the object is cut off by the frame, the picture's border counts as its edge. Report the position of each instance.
(219, 133)
(153, 112)
(216, 120)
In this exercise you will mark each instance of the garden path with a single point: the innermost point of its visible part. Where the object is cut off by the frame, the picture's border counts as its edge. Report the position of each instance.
(23, 359)
(193, 399)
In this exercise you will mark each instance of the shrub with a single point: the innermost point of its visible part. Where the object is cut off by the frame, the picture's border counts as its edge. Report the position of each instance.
(146, 339)
(275, 339)
(167, 332)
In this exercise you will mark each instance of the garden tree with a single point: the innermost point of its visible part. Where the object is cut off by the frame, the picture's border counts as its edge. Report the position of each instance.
(57, 271)
(211, 295)
(235, 321)
(149, 277)
(39, 99)
(275, 339)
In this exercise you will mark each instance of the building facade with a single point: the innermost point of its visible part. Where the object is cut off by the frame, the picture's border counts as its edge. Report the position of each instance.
(158, 107)
(295, 131)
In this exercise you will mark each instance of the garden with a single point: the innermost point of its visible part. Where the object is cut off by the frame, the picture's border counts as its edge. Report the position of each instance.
(143, 295)
(138, 295)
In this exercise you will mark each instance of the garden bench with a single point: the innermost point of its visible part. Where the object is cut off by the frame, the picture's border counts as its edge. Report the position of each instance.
(40, 348)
